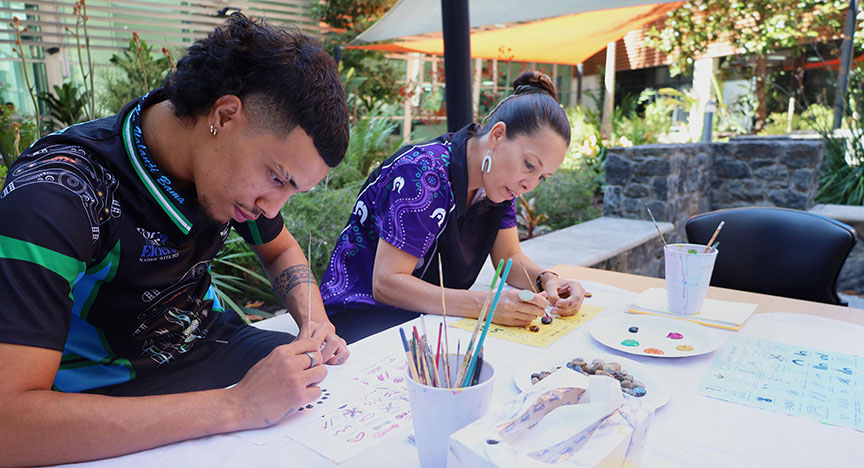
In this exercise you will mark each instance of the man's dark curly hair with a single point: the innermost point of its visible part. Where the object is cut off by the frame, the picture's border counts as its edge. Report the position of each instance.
(283, 77)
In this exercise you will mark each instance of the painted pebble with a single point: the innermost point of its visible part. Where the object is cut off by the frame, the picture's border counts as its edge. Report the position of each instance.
(684, 347)
(655, 351)
(599, 367)
(633, 329)
(534, 328)
(630, 343)
(546, 320)
(674, 336)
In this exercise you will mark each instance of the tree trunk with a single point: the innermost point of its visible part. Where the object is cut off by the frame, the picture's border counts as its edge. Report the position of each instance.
(761, 94)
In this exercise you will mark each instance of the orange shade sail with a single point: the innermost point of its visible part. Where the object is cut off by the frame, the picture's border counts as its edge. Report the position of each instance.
(567, 40)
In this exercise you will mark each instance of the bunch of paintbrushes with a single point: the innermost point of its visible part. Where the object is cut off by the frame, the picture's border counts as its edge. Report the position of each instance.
(428, 368)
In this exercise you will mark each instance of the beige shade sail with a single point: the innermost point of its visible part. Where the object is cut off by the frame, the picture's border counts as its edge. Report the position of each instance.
(567, 40)
(413, 17)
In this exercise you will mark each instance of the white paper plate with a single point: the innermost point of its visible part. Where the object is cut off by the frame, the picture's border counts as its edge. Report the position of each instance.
(656, 394)
(656, 336)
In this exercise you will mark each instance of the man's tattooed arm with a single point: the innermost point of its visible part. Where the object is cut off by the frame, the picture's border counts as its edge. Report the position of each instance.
(290, 278)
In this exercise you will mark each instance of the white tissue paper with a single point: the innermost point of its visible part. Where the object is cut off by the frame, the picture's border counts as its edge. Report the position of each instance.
(567, 419)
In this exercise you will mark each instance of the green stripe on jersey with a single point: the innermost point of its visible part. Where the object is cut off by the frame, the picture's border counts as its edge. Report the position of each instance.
(67, 267)
(256, 234)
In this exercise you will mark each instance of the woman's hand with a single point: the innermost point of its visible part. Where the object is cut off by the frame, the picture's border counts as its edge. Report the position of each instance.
(513, 311)
(564, 295)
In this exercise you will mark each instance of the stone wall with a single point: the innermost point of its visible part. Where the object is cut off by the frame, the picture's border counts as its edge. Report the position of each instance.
(678, 181)
(644, 259)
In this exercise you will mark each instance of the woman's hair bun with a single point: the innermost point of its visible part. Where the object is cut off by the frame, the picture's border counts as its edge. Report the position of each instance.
(534, 79)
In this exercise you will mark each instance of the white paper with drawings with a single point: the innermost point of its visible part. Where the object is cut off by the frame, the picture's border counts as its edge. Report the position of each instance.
(357, 409)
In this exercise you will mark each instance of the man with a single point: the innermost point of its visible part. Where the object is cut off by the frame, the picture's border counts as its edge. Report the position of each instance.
(112, 339)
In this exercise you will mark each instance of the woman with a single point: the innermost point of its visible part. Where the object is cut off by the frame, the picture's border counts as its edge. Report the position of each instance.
(453, 197)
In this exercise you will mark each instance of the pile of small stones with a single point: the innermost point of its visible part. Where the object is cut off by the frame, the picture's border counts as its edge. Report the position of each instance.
(629, 385)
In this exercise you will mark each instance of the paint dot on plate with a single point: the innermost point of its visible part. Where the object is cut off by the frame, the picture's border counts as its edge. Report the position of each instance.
(674, 336)
(684, 347)
(309, 406)
(630, 343)
(633, 329)
(653, 351)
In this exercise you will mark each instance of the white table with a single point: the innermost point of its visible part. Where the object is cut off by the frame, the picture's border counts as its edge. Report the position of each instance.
(691, 430)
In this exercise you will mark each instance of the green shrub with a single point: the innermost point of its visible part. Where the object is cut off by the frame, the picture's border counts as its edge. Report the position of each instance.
(134, 72)
(567, 197)
(323, 213)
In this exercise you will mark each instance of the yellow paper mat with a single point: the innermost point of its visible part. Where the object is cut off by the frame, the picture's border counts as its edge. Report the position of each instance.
(547, 335)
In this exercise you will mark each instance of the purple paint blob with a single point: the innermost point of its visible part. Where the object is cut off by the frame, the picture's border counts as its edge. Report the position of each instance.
(674, 336)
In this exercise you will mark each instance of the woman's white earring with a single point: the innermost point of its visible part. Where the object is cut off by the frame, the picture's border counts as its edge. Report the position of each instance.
(486, 165)
(213, 130)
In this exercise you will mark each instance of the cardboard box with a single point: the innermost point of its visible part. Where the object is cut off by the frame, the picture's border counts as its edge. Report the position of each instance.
(537, 430)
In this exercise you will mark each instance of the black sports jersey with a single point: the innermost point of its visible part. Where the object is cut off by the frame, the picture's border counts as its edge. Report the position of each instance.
(104, 258)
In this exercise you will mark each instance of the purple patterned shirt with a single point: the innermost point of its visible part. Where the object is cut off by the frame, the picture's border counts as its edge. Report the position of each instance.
(415, 201)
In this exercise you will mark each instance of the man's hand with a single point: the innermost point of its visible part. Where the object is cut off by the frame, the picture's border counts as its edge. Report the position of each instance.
(286, 379)
(335, 350)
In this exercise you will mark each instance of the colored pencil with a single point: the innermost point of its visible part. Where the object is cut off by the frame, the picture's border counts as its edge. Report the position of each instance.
(716, 232)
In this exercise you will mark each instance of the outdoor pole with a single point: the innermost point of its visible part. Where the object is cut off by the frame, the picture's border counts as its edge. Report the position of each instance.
(708, 121)
(457, 63)
(579, 84)
(845, 62)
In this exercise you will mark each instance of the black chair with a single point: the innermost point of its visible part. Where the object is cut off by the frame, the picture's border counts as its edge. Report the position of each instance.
(776, 251)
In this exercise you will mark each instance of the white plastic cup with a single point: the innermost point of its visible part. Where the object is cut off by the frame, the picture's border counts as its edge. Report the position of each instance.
(438, 412)
(688, 274)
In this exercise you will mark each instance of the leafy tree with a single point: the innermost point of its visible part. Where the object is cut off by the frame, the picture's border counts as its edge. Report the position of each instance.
(756, 27)
(349, 18)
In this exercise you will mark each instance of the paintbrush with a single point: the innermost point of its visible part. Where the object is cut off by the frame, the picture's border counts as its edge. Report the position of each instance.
(489, 316)
(655, 224)
(309, 289)
(534, 288)
(411, 367)
(465, 361)
(444, 321)
(717, 231)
